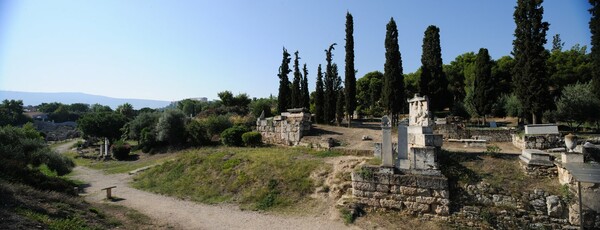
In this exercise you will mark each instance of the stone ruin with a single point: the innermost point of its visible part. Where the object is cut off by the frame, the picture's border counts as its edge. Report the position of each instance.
(285, 129)
(409, 180)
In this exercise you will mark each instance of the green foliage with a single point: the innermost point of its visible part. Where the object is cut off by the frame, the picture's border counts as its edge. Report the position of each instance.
(459, 109)
(566, 194)
(595, 54)
(501, 72)
(368, 92)
(339, 110)
(578, 105)
(412, 82)
(305, 91)
(347, 216)
(320, 97)
(328, 153)
(190, 107)
(126, 110)
(350, 72)
(147, 140)
(569, 67)
(283, 98)
(263, 104)
(529, 73)
(102, 124)
(332, 85)
(121, 150)
(197, 133)
(215, 125)
(365, 173)
(98, 108)
(492, 150)
(171, 127)
(11, 113)
(233, 136)
(513, 106)
(253, 177)
(433, 79)
(252, 139)
(296, 95)
(146, 120)
(484, 91)
(393, 98)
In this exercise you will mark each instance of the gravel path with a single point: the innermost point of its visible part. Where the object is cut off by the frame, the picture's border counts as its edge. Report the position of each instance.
(182, 214)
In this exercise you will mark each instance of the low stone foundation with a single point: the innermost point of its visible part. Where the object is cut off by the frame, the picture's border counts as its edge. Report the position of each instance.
(540, 171)
(412, 193)
(457, 131)
(541, 141)
(286, 129)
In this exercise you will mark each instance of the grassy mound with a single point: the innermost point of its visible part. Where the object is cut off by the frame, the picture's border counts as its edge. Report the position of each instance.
(255, 178)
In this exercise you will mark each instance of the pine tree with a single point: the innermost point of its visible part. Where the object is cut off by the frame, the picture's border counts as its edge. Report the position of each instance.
(296, 93)
(350, 80)
(339, 110)
(529, 73)
(557, 44)
(595, 54)
(393, 80)
(433, 79)
(283, 98)
(484, 85)
(330, 88)
(305, 93)
(319, 98)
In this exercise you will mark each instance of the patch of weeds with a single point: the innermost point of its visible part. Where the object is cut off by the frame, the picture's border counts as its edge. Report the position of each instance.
(269, 200)
(493, 150)
(98, 213)
(365, 173)
(488, 217)
(347, 216)
(328, 153)
(566, 193)
(68, 223)
(374, 161)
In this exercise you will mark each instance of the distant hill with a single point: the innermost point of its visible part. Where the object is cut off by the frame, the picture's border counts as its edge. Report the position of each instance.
(30, 98)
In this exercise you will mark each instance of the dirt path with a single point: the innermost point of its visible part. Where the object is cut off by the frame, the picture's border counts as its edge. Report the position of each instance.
(181, 214)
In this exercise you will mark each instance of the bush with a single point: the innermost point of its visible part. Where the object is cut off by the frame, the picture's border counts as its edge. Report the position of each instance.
(252, 139)
(215, 125)
(121, 150)
(197, 133)
(171, 127)
(233, 136)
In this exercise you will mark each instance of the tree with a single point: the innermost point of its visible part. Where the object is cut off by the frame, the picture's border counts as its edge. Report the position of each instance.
(339, 109)
(102, 124)
(577, 105)
(296, 93)
(557, 44)
(283, 98)
(484, 86)
(126, 110)
(319, 97)
(190, 107)
(529, 73)
(261, 105)
(350, 79)
(330, 86)
(11, 113)
(141, 121)
(368, 92)
(393, 96)
(170, 127)
(98, 108)
(595, 55)
(501, 72)
(226, 97)
(433, 80)
(568, 67)
(460, 73)
(305, 92)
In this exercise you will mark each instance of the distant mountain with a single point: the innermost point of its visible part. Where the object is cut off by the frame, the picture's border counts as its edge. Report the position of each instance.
(30, 98)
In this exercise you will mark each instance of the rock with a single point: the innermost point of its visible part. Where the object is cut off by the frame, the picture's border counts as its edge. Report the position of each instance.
(366, 138)
(554, 206)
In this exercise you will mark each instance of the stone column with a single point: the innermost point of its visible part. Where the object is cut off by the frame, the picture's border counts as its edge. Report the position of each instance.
(402, 147)
(387, 157)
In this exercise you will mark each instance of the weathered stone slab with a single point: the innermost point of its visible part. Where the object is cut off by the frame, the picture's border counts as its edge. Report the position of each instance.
(434, 140)
(541, 129)
(536, 157)
(571, 157)
(420, 129)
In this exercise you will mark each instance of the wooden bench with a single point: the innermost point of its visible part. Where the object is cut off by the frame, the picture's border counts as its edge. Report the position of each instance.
(108, 191)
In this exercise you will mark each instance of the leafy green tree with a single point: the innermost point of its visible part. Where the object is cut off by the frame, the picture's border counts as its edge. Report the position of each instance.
(190, 107)
(595, 54)
(226, 97)
(79, 108)
(501, 72)
(197, 133)
(350, 72)
(412, 82)
(320, 97)
(283, 98)
(262, 104)
(557, 44)
(339, 109)
(140, 122)
(578, 105)
(102, 124)
(393, 96)
(305, 92)
(171, 127)
(513, 106)
(529, 74)
(484, 86)
(330, 85)
(11, 113)
(98, 108)
(368, 92)
(296, 93)
(48, 107)
(568, 67)
(126, 110)
(460, 73)
(433, 81)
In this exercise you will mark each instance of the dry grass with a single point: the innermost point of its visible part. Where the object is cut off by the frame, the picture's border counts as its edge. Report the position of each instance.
(395, 220)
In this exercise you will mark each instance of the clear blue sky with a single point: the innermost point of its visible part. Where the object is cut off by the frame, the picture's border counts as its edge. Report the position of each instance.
(170, 50)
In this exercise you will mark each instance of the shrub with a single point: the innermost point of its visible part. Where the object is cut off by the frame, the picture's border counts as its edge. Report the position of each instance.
(215, 125)
(171, 127)
(252, 139)
(197, 133)
(121, 150)
(233, 136)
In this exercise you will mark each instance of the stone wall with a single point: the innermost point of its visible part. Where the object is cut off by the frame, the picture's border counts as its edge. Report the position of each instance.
(541, 141)
(415, 194)
(286, 129)
(540, 171)
(457, 131)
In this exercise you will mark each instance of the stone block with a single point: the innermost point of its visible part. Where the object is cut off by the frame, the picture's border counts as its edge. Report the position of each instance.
(442, 210)
(424, 158)
(443, 201)
(554, 206)
(419, 129)
(434, 140)
(571, 157)
(417, 207)
(424, 199)
(382, 188)
(541, 129)
(439, 183)
(364, 186)
(441, 194)
(410, 191)
(536, 157)
(404, 180)
(393, 204)
(379, 195)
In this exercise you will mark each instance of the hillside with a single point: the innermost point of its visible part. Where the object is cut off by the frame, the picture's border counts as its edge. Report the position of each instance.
(31, 98)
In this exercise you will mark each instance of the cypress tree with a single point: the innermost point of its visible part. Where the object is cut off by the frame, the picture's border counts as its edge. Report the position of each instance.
(305, 94)
(350, 80)
(296, 93)
(330, 89)
(339, 110)
(595, 54)
(319, 97)
(529, 73)
(433, 79)
(283, 98)
(484, 85)
(393, 80)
